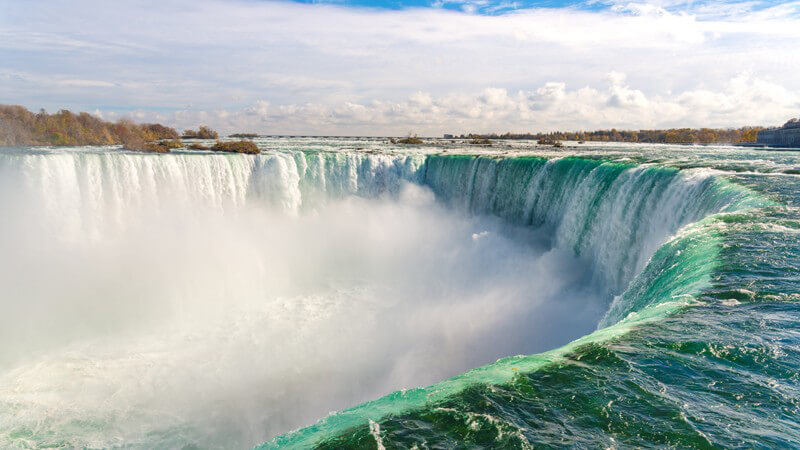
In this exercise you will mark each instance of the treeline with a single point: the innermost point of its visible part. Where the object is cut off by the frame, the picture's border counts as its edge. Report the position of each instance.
(670, 136)
(18, 126)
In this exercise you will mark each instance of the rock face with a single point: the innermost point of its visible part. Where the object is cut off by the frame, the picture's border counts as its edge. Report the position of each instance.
(786, 136)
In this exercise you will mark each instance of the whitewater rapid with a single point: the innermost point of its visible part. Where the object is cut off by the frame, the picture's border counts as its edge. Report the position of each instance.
(220, 300)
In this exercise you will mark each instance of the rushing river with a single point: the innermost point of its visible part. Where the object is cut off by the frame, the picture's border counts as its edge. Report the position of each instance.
(350, 293)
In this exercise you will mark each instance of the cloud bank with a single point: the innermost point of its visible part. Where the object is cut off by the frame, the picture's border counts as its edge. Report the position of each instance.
(287, 68)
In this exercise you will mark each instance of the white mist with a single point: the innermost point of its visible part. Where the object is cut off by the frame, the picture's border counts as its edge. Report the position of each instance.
(147, 314)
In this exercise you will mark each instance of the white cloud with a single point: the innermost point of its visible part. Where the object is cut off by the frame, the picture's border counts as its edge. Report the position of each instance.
(85, 83)
(273, 66)
(552, 106)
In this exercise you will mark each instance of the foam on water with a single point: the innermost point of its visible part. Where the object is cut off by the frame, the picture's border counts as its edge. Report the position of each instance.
(162, 300)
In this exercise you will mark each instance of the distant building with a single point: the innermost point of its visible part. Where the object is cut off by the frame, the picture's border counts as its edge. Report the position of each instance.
(448, 136)
(786, 136)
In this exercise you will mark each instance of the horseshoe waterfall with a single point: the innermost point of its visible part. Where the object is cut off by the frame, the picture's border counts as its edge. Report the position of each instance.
(352, 293)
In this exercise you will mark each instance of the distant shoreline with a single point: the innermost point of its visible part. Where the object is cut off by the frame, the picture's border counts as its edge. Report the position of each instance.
(20, 127)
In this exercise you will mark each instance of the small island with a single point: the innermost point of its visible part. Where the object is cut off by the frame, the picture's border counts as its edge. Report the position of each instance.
(242, 146)
(408, 140)
(20, 127)
(551, 142)
(163, 146)
(203, 132)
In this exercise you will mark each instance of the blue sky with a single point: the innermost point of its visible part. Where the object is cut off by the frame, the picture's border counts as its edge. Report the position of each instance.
(491, 8)
(378, 68)
(478, 7)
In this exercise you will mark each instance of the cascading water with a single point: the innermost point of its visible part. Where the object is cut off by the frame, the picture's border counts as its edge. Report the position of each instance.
(219, 300)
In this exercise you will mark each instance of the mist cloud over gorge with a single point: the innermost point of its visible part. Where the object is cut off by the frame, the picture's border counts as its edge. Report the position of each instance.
(242, 322)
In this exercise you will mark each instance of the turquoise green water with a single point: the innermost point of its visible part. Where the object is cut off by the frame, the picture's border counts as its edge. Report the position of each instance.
(695, 249)
(700, 349)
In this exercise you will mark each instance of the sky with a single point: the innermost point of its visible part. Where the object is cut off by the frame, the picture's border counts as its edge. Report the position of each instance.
(397, 67)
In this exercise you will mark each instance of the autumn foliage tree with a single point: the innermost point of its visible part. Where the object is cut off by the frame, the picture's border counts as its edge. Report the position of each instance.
(203, 132)
(18, 126)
